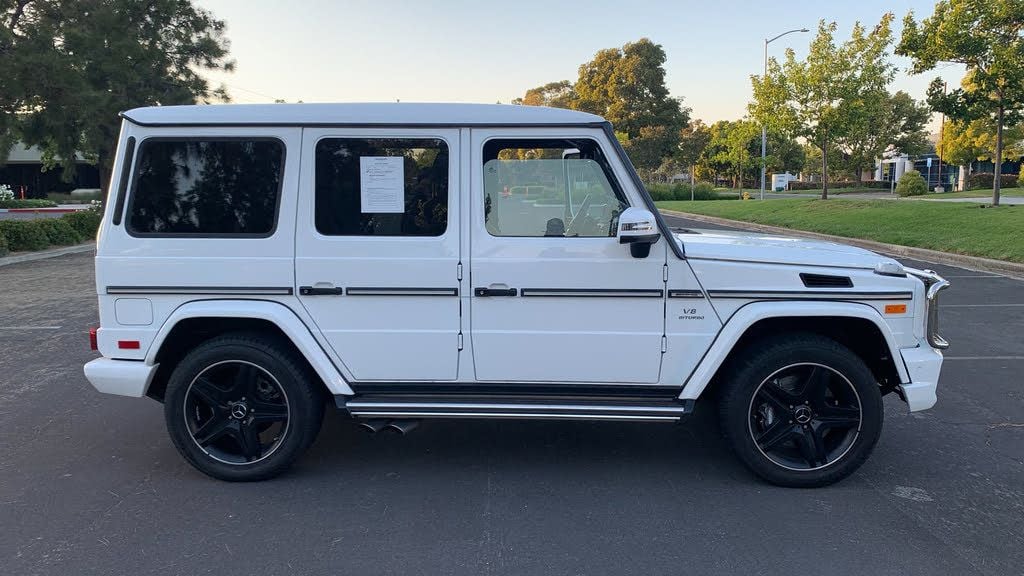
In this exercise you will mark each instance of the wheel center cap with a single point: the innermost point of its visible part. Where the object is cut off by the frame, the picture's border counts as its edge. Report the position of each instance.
(239, 410)
(802, 414)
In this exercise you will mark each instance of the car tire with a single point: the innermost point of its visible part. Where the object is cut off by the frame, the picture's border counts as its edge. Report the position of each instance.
(242, 407)
(802, 411)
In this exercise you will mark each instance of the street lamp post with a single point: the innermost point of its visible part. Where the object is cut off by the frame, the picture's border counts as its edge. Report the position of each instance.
(764, 130)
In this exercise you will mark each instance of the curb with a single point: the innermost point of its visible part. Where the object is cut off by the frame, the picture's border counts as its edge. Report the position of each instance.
(976, 263)
(43, 255)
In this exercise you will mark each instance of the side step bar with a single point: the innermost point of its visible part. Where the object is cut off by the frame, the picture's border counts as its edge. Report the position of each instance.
(521, 407)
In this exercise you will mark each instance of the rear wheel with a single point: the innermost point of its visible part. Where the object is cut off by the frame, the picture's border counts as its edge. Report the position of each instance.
(802, 412)
(241, 407)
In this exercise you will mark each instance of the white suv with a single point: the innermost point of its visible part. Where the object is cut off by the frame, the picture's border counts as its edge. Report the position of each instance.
(411, 261)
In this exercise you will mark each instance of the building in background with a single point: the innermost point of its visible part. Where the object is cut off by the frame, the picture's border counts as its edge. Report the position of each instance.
(25, 174)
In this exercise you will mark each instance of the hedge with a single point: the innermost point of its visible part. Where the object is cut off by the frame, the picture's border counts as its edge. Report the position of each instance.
(29, 203)
(663, 192)
(39, 234)
(85, 222)
(911, 184)
(24, 235)
(59, 231)
(983, 180)
(879, 184)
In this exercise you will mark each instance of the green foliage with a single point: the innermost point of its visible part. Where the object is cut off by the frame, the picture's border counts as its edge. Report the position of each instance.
(822, 97)
(24, 235)
(70, 67)
(983, 180)
(911, 184)
(27, 203)
(667, 192)
(964, 142)
(85, 222)
(61, 198)
(882, 123)
(59, 231)
(626, 86)
(3, 245)
(986, 38)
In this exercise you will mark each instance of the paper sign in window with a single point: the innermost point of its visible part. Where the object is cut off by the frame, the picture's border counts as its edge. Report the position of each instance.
(382, 184)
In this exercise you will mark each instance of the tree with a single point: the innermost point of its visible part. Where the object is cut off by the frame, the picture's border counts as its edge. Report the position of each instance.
(887, 123)
(986, 36)
(730, 148)
(69, 67)
(816, 98)
(964, 142)
(627, 86)
(554, 94)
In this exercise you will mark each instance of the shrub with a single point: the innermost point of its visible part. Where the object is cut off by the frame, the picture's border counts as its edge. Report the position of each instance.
(23, 235)
(29, 203)
(911, 184)
(59, 231)
(877, 184)
(983, 180)
(701, 191)
(85, 222)
(3, 245)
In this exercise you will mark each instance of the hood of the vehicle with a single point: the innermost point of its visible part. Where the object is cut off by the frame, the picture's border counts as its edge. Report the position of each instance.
(770, 248)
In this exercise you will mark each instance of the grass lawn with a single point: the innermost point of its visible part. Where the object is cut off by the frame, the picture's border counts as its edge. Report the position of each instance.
(962, 228)
(978, 193)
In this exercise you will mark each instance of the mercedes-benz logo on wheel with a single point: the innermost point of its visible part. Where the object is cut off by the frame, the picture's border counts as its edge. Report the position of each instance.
(802, 414)
(239, 410)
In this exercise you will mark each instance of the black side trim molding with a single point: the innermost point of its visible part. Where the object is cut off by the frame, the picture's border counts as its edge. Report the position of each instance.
(218, 290)
(592, 293)
(685, 294)
(808, 295)
(399, 291)
(517, 388)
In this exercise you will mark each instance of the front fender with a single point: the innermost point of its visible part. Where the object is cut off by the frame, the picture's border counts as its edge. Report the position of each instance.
(279, 314)
(748, 315)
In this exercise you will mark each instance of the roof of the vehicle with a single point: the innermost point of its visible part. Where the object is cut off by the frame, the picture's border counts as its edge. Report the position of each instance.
(359, 114)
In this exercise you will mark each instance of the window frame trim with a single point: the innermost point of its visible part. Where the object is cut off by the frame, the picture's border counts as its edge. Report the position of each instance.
(606, 169)
(133, 192)
(397, 237)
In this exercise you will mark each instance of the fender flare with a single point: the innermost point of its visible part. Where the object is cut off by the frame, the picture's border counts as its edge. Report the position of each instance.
(274, 312)
(752, 313)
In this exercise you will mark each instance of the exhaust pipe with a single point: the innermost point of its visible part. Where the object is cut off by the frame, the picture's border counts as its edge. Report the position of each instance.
(373, 426)
(403, 427)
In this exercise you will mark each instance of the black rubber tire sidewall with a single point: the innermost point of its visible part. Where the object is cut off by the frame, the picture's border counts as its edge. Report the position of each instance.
(758, 362)
(304, 400)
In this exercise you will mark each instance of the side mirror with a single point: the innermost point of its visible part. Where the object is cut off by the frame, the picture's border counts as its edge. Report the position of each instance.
(639, 229)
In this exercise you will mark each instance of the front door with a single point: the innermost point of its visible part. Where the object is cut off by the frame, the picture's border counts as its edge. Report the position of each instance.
(377, 249)
(556, 298)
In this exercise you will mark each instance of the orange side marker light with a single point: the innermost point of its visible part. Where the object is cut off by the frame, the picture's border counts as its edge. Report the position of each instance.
(895, 308)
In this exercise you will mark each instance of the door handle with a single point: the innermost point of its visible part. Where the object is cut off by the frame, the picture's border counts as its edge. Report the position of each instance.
(495, 291)
(316, 291)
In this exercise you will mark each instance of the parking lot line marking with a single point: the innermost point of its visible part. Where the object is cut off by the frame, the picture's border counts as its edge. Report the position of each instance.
(984, 358)
(30, 327)
(980, 305)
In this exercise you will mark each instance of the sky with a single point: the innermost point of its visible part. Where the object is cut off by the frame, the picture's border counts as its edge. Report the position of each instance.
(464, 51)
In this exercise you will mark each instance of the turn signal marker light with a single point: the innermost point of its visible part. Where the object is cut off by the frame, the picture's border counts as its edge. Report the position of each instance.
(895, 308)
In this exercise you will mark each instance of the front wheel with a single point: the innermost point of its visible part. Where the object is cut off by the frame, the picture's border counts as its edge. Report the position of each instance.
(240, 407)
(802, 412)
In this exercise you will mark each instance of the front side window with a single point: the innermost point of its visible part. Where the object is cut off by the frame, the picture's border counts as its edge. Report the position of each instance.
(549, 188)
(209, 187)
(381, 186)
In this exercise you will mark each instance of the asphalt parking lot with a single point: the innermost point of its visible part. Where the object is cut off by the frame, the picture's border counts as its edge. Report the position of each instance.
(90, 484)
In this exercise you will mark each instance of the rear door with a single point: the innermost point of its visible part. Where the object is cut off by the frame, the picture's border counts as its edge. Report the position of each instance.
(556, 298)
(377, 249)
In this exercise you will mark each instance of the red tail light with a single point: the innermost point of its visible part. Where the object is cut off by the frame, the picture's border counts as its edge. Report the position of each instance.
(128, 344)
(93, 344)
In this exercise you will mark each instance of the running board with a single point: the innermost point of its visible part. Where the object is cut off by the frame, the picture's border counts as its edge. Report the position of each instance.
(516, 407)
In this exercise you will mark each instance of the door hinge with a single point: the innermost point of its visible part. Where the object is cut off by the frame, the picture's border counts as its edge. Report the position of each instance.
(460, 340)
(459, 271)
(664, 344)
(664, 273)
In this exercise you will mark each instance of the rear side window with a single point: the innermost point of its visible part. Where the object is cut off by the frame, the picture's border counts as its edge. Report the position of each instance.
(381, 186)
(212, 187)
